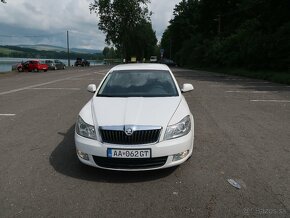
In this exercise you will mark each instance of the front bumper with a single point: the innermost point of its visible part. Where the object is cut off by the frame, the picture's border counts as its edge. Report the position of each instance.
(161, 152)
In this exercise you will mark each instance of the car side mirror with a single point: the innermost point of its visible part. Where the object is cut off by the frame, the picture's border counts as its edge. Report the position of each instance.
(187, 87)
(92, 88)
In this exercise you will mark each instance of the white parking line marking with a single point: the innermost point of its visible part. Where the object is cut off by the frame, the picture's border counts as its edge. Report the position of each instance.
(233, 79)
(99, 73)
(237, 91)
(279, 101)
(43, 84)
(255, 82)
(219, 85)
(250, 87)
(268, 86)
(8, 115)
(33, 86)
(77, 79)
(242, 81)
(56, 88)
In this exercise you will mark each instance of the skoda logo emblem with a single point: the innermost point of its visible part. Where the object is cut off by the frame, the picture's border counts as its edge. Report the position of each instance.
(129, 132)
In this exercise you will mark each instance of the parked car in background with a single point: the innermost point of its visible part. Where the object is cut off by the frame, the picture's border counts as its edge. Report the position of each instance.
(55, 64)
(86, 63)
(32, 66)
(153, 59)
(82, 62)
(168, 62)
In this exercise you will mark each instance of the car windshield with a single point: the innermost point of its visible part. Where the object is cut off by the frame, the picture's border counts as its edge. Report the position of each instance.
(138, 83)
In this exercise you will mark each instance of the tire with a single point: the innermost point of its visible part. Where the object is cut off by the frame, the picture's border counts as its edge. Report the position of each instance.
(20, 69)
(35, 70)
(63, 68)
(44, 70)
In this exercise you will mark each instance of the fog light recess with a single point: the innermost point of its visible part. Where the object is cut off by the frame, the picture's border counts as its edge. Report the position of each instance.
(180, 155)
(82, 155)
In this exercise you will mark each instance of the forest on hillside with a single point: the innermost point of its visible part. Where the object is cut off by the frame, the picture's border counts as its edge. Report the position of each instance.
(250, 34)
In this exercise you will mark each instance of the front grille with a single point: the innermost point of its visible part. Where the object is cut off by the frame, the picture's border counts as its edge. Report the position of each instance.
(130, 163)
(138, 137)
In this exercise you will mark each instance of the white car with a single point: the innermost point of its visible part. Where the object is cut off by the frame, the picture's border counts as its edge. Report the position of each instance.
(153, 59)
(137, 119)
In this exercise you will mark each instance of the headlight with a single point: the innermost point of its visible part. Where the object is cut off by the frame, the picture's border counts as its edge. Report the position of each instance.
(179, 129)
(84, 129)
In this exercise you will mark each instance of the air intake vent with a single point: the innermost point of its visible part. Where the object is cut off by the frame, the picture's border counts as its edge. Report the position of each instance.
(137, 137)
(132, 163)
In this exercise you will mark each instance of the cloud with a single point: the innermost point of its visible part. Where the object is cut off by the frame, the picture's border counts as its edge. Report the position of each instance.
(162, 14)
(51, 19)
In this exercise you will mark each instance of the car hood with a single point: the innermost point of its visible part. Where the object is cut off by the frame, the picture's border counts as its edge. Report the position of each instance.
(133, 111)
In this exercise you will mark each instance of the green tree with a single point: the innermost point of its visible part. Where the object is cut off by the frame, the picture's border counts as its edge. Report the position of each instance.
(121, 21)
(230, 33)
(112, 53)
(106, 51)
(166, 43)
(184, 24)
(142, 41)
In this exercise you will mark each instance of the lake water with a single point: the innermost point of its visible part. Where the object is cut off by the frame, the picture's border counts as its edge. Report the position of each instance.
(7, 63)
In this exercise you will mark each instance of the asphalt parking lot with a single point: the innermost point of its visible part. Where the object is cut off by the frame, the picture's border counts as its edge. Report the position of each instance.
(242, 133)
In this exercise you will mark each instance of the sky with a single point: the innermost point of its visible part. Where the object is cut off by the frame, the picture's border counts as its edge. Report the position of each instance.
(32, 22)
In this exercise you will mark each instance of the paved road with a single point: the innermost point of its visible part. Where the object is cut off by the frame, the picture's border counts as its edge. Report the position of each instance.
(242, 132)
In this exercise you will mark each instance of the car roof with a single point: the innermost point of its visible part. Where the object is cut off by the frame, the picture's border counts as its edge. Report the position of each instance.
(140, 67)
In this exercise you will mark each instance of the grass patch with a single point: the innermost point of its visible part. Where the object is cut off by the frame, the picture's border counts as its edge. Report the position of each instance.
(272, 76)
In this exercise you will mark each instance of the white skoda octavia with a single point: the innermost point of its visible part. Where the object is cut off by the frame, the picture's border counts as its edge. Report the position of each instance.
(137, 120)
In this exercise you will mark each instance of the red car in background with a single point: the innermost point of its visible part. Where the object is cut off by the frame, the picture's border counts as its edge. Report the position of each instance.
(32, 66)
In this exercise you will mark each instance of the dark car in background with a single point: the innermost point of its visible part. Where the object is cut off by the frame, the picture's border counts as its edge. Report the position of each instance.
(168, 62)
(55, 65)
(33, 65)
(81, 62)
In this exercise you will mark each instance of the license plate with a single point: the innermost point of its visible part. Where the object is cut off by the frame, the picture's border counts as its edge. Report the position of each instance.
(128, 153)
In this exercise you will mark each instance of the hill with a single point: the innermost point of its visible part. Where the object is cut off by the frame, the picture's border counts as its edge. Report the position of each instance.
(6, 51)
(43, 51)
(44, 47)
